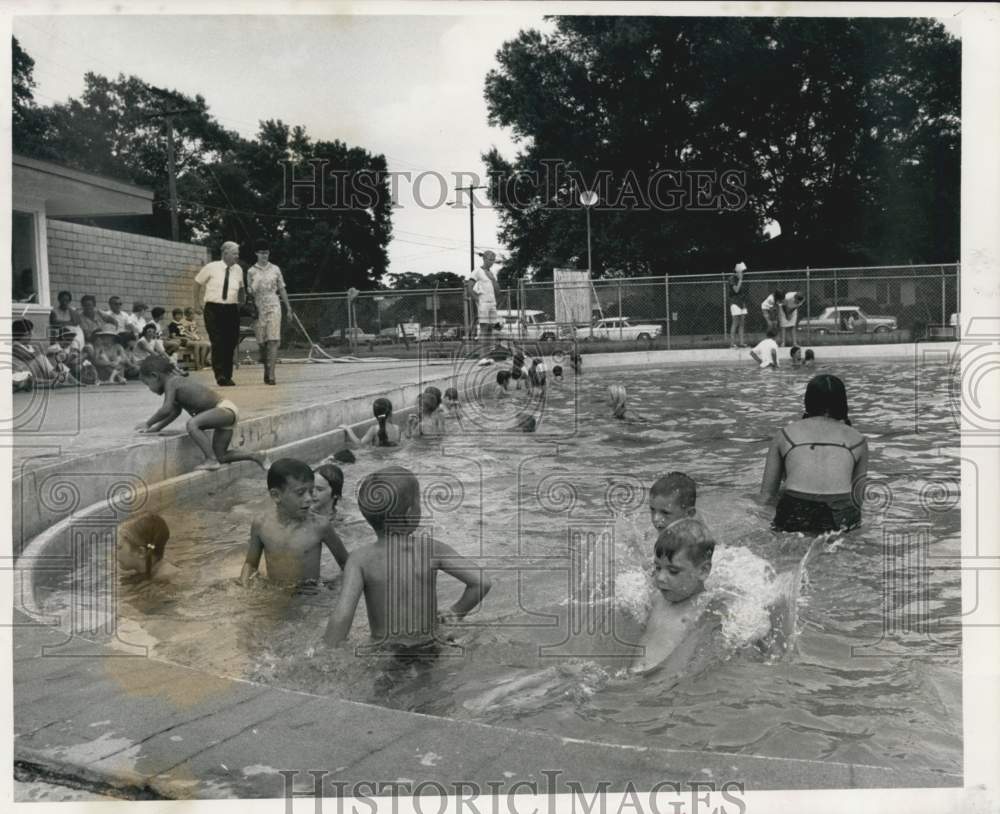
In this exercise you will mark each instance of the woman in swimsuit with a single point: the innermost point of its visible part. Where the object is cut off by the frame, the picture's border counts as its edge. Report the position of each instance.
(822, 461)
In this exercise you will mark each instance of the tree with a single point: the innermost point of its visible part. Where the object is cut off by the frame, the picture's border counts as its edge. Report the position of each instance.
(28, 121)
(821, 115)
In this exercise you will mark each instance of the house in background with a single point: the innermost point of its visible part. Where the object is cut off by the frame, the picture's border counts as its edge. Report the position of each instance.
(49, 253)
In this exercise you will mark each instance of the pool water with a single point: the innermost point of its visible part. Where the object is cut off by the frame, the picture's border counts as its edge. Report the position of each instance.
(871, 673)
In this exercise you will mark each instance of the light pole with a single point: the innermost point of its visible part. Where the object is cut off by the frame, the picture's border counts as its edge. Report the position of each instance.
(472, 227)
(588, 199)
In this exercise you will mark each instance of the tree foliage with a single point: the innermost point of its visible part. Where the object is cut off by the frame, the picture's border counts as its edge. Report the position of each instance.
(228, 187)
(847, 131)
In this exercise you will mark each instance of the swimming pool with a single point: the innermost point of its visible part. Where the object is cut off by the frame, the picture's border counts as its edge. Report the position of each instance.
(876, 674)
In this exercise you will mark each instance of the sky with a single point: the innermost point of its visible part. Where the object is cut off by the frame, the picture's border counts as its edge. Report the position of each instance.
(409, 87)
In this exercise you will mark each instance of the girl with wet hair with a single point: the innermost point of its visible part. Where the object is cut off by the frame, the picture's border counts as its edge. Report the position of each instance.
(818, 464)
(383, 434)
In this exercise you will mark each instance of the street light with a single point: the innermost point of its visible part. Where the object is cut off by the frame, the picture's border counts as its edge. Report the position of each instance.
(588, 198)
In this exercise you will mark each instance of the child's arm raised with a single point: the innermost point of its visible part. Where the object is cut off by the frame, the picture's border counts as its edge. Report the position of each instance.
(167, 412)
(333, 542)
(343, 614)
(254, 550)
(349, 434)
(477, 584)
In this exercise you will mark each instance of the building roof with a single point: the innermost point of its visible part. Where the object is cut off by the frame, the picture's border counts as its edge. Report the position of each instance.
(70, 193)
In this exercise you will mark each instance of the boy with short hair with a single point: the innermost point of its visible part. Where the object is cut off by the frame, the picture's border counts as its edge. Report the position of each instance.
(288, 534)
(671, 498)
(682, 563)
(795, 354)
(398, 572)
(766, 351)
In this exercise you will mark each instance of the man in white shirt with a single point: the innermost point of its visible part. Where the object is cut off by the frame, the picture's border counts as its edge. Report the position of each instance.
(766, 351)
(485, 291)
(137, 319)
(121, 319)
(218, 293)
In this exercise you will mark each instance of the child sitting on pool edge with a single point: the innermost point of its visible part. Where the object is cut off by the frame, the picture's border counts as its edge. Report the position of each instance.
(208, 410)
(671, 498)
(397, 573)
(288, 534)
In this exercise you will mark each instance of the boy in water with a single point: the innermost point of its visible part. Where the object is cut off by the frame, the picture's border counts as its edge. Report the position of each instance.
(398, 572)
(671, 498)
(795, 354)
(289, 534)
(682, 563)
(208, 410)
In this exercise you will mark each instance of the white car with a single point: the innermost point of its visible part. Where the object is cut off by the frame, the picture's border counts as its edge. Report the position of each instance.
(620, 328)
(529, 324)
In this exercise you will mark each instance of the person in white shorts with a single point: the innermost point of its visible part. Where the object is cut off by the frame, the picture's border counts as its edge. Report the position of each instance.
(485, 291)
(737, 292)
(788, 315)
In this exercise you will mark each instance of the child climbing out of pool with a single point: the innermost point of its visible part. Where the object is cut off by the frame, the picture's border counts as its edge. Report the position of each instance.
(141, 541)
(208, 410)
(288, 533)
(765, 352)
(383, 434)
(398, 572)
(671, 498)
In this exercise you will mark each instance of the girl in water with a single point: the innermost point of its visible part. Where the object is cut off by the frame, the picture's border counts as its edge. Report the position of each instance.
(383, 434)
(328, 488)
(822, 461)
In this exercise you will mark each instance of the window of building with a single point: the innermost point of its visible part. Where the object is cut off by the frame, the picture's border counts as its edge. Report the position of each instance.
(24, 258)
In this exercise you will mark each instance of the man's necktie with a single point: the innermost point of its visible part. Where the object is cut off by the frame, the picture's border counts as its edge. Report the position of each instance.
(225, 285)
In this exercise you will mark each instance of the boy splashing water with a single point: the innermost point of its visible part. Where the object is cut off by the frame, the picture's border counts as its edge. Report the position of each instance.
(398, 573)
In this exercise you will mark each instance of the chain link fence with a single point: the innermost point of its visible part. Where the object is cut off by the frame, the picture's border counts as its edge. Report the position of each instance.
(837, 306)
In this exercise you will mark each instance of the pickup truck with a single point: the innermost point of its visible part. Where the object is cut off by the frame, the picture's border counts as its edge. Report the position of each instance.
(529, 324)
(619, 328)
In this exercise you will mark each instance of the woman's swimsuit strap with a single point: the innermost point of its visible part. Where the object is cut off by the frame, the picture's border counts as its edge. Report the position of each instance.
(814, 444)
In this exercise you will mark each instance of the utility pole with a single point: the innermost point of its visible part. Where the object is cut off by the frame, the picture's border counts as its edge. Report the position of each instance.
(472, 227)
(167, 116)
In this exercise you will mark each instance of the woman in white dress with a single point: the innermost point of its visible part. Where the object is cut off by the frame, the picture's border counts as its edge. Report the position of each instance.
(268, 289)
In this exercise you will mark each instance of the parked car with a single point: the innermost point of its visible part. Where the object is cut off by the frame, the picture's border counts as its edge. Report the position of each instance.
(848, 319)
(529, 324)
(361, 337)
(620, 328)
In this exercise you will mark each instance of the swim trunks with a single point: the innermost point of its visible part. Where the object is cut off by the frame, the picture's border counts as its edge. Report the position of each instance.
(400, 653)
(226, 404)
(801, 511)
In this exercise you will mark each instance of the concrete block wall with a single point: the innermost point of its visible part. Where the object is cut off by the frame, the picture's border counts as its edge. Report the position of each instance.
(102, 262)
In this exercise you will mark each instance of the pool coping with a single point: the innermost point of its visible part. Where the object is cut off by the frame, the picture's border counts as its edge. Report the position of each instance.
(592, 762)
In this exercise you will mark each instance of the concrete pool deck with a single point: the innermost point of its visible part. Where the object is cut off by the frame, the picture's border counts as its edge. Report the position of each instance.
(140, 727)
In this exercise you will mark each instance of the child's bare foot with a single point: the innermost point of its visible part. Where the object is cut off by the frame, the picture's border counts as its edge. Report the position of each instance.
(210, 465)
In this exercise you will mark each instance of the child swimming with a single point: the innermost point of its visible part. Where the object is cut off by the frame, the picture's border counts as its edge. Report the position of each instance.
(795, 354)
(288, 533)
(428, 420)
(502, 385)
(140, 544)
(682, 563)
(451, 400)
(398, 572)
(671, 498)
(536, 374)
(557, 373)
(208, 410)
(810, 358)
(384, 434)
(617, 396)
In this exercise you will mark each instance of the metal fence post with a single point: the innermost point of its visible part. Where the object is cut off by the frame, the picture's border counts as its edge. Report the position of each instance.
(809, 310)
(666, 291)
(621, 330)
(725, 310)
(944, 307)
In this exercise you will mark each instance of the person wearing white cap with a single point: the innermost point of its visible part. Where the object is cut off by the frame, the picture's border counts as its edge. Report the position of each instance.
(486, 290)
(738, 299)
(218, 293)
